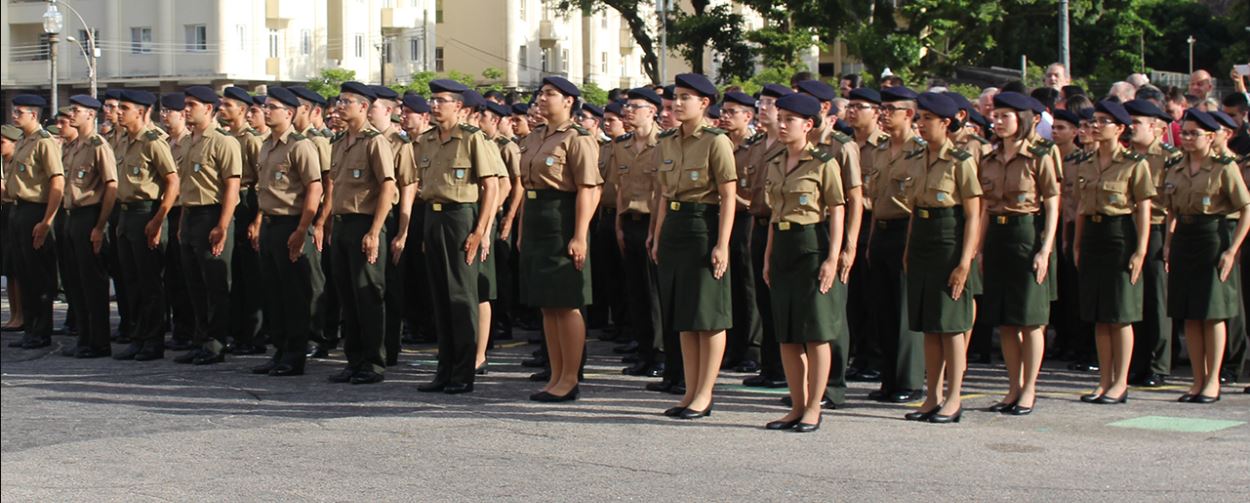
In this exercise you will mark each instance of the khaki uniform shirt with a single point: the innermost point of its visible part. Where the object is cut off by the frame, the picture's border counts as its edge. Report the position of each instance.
(115, 137)
(758, 157)
(635, 173)
(1021, 184)
(249, 149)
(846, 152)
(1217, 188)
(179, 145)
(405, 164)
(893, 177)
(322, 143)
(288, 163)
(804, 196)
(944, 180)
(1069, 197)
(36, 159)
(873, 155)
(511, 155)
(1160, 157)
(143, 163)
(210, 160)
(358, 168)
(562, 158)
(693, 167)
(1118, 188)
(90, 165)
(742, 165)
(450, 171)
(608, 199)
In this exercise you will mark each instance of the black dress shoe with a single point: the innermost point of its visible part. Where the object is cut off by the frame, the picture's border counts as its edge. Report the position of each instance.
(1186, 398)
(149, 354)
(480, 370)
(1019, 410)
(1203, 399)
(1109, 400)
(457, 388)
(1001, 407)
(535, 363)
(189, 356)
(747, 367)
(264, 368)
(285, 370)
(674, 411)
(807, 427)
(636, 369)
(824, 402)
(317, 351)
(662, 386)
(656, 370)
(129, 353)
(92, 353)
(762, 381)
(781, 425)
(1154, 381)
(343, 376)
(877, 395)
(1091, 397)
(209, 358)
(432, 387)
(922, 416)
(37, 342)
(940, 419)
(543, 376)
(628, 347)
(543, 396)
(905, 396)
(865, 375)
(689, 413)
(367, 377)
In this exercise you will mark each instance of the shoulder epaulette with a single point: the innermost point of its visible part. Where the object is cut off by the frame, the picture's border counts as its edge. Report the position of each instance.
(1045, 143)
(1243, 158)
(96, 140)
(755, 138)
(222, 131)
(337, 137)
(604, 141)
(469, 129)
(1172, 161)
(960, 154)
(914, 153)
(1169, 149)
(370, 133)
(580, 130)
(503, 140)
(841, 137)
(1134, 156)
(1042, 148)
(327, 132)
(252, 131)
(820, 154)
(297, 137)
(1225, 159)
(152, 135)
(624, 137)
(981, 139)
(667, 132)
(43, 133)
(920, 141)
(714, 130)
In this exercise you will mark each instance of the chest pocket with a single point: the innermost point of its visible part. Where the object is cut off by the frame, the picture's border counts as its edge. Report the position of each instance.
(282, 176)
(942, 186)
(1114, 193)
(82, 177)
(802, 192)
(669, 173)
(1021, 187)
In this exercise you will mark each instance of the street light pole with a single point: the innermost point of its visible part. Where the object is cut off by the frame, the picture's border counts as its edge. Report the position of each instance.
(52, 24)
(93, 51)
(1191, 41)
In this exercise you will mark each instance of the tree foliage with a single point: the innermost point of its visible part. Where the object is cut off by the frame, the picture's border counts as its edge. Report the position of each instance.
(631, 12)
(690, 33)
(328, 83)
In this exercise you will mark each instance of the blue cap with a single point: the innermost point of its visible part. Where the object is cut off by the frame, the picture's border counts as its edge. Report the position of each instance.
(1142, 108)
(138, 97)
(1014, 101)
(776, 90)
(740, 98)
(259, 100)
(1068, 116)
(563, 85)
(497, 109)
(959, 100)
(29, 100)
(1223, 118)
(1115, 109)
(1087, 113)
(354, 87)
(112, 94)
(801, 104)
(615, 107)
(898, 93)
(817, 89)
(284, 96)
(696, 82)
(842, 127)
(86, 101)
(472, 99)
(1203, 119)
(978, 119)
(174, 101)
(447, 86)
(384, 93)
(308, 94)
(203, 94)
(713, 112)
(645, 93)
(238, 94)
(416, 103)
(937, 104)
(592, 110)
(867, 94)
(520, 108)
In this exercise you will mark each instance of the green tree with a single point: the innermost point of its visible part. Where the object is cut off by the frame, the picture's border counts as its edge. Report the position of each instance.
(328, 83)
(631, 12)
(593, 94)
(721, 29)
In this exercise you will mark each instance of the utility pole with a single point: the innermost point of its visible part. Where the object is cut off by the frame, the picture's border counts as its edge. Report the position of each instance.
(661, 9)
(1064, 47)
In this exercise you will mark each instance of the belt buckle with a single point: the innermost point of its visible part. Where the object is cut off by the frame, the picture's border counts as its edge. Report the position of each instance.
(1096, 218)
(531, 194)
(674, 205)
(783, 226)
(125, 207)
(1001, 219)
(437, 206)
(922, 212)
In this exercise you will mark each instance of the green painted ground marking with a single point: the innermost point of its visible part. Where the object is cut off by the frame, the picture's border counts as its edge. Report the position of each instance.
(1181, 424)
(763, 391)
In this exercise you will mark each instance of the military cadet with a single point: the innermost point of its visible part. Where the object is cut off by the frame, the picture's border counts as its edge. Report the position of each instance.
(289, 194)
(742, 346)
(698, 184)
(1019, 178)
(1208, 218)
(667, 119)
(362, 191)
(801, 259)
(1113, 230)
(113, 133)
(181, 313)
(256, 115)
(941, 244)
(8, 141)
(520, 126)
(147, 187)
(246, 290)
(771, 375)
(472, 113)
(417, 311)
(1235, 354)
(457, 178)
(65, 134)
(381, 112)
(112, 99)
(36, 183)
(608, 310)
(631, 167)
(1152, 349)
(309, 121)
(1065, 316)
(501, 252)
(862, 114)
(90, 194)
(209, 172)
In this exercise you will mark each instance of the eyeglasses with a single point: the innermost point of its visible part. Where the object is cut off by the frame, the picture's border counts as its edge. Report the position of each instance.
(439, 100)
(275, 106)
(1192, 133)
(860, 107)
(1102, 121)
(631, 106)
(889, 109)
(732, 111)
(350, 101)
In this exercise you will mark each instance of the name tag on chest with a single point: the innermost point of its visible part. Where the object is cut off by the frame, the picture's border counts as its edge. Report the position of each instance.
(357, 173)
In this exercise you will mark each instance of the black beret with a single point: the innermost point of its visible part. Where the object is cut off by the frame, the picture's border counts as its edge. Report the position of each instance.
(520, 108)
(1115, 109)
(959, 100)
(29, 100)
(138, 97)
(354, 87)
(1236, 100)
(308, 94)
(259, 100)
(593, 110)
(384, 93)
(1014, 101)
(645, 93)
(85, 101)
(844, 128)
(66, 111)
(1087, 113)
(472, 99)
(447, 86)
(800, 104)
(1142, 108)
(713, 112)
(237, 93)
(937, 104)
(696, 82)
(615, 107)
(818, 90)
(865, 94)
(284, 95)
(1067, 116)
(203, 94)
(740, 98)
(174, 101)
(897, 93)
(416, 103)
(1223, 118)
(497, 109)
(1203, 119)
(112, 94)
(978, 119)
(670, 92)
(563, 85)
(776, 90)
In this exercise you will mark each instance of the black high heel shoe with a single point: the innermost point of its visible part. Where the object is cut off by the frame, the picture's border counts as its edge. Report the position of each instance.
(543, 396)
(1017, 410)
(940, 419)
(1002, 407)
(1091, 397)
(674, 411)
(1203, 399)
(1109, 400)
(808, 427)
(481, 369)
(920, 415)
(689, 413)
(781, 425)
(1186, 398)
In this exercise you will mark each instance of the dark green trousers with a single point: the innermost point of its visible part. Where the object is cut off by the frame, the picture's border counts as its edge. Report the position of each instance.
(36, 270)
(504, 252)
(609, 299)
(417, 302)
(143, 271)
(641, 297)
(395, 294)
(453, 289)
(88, 278)
(246, 319)
(742, 341)
(770, 350)
(291, 289)
(328, 308)
(66, 267)
(180, 311)
(127, 311)
(865, 351)
(902, 350)
(208, 277)
(361, 288)
(1152, 336)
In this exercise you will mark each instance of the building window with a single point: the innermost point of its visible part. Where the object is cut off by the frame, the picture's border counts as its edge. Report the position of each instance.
(603, 62)
(414, 48)
(523, 58)
(603, 21)
(197, 37)
(438, 59)
(242, 32)
(564, 60)
(387, 50)
(305, 42)
(438, 11)
(546, 55)
(522, 2)
(274, 44)
(140, 40)
(360, 45)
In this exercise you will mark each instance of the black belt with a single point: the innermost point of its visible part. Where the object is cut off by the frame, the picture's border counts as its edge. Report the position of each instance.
(548, 194)
(635, 216)
(1199, 219)
(1010, 218)
(787, 226)
(202, 208)
(441, 207)
(70, 211)
(138, 206)
(892, 223)
(1099, 218)
(691, 207)
(928, 213)
(281, 218)
(23, 203)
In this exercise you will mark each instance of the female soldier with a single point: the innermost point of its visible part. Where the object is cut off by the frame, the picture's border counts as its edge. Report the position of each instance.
(691, 245)
(1113, 230)
(801, 259)
(941, 244)
(1018, 178)
(1205, 194)
(560, 171)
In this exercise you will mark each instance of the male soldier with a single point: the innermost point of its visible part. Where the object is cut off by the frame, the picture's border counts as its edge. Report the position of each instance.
(309, 121)
(603, 252)
(245, 295)
(36, 183)
(256, 116)
(742, 352)
(416, 121)
(181, 312)
(505, 256)
(361, 191)
(113, 133)
(146, 190)
(383, 109)
(210, 171)
(520, 126)
(458, 183)
(288, 191)
(89, 197)
(64, 134)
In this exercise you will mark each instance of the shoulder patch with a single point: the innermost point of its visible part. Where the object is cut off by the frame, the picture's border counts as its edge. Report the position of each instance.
(96, 140)
(337, 137)
(502, 140)
(580, 130)
(297, 137)
(841, 137)
(1172, 161)
(370, 133)
(1225, 159)
(820, 154)
(1134, 156)
(714, 130)
(666, 133)
(223, 131)
(623, 137)
(1041, 149)
(960, 154)
(1045, 143)
(914, 153)
(1169, 148)
(43, 133)
(469, 129)
(755, 138)
(152, 135)
(919, 141)
(252, 131)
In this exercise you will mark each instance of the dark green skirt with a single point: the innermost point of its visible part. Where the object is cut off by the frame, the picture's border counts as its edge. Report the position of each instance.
(800, 312)
(933, 251)
(691, 299)
(1012, 295)
(1052, 270)
(486, 271)
(1195, 291)
(548, 278)
(1107, 296)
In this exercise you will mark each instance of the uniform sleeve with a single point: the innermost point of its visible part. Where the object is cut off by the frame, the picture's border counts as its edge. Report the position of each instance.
(1142, 186)
(966, 179)
(49, 153)
(607, 159)
(511, 154)
(1238, 196)
(405, 166)
(848, 159)
(105, 162)
(249, 152)
(381, 159)
(227, 149)
(720, 162)
(1057, 160)
(1048, 177)
(323, 153)
(485, 163)
(831, 183)
(162, 158)
(304, 161)
(583, 158)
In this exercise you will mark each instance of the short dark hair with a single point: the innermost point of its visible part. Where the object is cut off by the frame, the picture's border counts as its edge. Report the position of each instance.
(1077, 103)
(855, 80)
(1047, 95)
(800, 77)
(893, 81)
(1150, 93)
(1069, 91)
(1014, 86)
